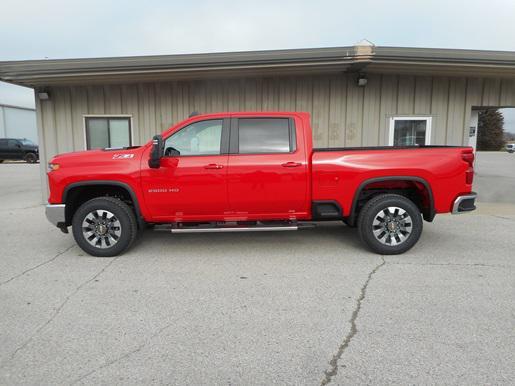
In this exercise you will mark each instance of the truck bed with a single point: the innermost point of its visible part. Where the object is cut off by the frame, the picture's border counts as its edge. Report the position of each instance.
(341, 172)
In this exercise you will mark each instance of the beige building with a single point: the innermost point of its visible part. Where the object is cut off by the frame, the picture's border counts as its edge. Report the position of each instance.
(357, 96)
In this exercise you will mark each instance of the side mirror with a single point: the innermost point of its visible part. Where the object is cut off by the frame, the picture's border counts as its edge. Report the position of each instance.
(172, 152)
(157, 152)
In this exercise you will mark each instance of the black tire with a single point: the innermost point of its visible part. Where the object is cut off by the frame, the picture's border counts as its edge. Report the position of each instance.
(30, 158)
(121, 212)
(404, 237)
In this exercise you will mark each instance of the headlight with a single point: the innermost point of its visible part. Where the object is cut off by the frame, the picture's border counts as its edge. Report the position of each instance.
(53, 167)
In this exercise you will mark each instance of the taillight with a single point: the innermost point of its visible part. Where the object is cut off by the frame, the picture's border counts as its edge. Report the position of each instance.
(468, 156)
(469, 176)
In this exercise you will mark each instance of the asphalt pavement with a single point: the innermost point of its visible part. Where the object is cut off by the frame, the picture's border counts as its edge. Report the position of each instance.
(309, 307)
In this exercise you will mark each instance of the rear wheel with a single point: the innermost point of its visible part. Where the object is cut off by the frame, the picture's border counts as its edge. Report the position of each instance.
(390, 224)
(104, 226)
(30, 158)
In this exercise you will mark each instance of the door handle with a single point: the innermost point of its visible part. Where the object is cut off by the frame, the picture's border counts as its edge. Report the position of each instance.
(291, 164)
(213, 166)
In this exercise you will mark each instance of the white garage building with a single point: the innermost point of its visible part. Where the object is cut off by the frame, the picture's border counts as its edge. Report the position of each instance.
(18, 122)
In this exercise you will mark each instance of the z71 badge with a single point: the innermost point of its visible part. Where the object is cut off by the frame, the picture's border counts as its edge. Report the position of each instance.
(123, 156)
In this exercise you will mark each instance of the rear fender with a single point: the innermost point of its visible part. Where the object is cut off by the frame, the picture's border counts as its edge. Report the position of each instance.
(428, 214)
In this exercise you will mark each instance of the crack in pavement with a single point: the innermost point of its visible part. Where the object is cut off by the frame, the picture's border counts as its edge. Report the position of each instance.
(329, 374)
(126, 355)
(502, 217)
(60, 308)
(37, 266)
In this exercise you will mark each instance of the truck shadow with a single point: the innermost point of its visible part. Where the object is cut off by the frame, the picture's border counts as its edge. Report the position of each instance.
(325, 238)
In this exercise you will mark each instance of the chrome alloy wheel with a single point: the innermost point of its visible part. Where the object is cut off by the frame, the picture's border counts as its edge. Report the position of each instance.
(101, 229)
(392, 226)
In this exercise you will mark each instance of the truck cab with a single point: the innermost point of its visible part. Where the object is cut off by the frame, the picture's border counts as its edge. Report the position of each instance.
(239, 168)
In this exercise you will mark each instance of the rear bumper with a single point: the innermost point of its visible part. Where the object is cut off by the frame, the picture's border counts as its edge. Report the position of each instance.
(465, 203)
(55, 214)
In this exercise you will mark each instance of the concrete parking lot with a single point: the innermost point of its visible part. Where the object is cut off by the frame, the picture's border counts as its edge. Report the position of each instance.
(495, 176)
(310, 307)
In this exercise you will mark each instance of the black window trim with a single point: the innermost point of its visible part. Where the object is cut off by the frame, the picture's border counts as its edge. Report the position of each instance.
(234, 145)
(106, 117)
(224, 139)
(13, 140)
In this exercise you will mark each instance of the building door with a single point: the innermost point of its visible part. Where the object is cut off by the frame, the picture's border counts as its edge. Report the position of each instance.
(268, 173)
(191, 182)
(409, 131)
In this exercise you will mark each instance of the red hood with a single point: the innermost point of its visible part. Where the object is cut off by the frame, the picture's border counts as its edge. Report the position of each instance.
(93, 156)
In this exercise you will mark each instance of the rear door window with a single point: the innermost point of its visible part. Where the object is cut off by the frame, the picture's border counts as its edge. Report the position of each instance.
(13, 144)
(265, 135)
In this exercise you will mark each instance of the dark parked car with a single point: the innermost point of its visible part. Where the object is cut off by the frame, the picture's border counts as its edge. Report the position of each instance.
(18, 149)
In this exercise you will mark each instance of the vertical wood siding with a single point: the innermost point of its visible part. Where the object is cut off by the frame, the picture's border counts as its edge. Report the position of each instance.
(343, 114)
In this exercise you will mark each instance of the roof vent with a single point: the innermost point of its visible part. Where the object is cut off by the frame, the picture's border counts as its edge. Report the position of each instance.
(364, 48)
(364, 43)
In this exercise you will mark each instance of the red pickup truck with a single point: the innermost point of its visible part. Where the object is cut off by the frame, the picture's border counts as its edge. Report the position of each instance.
(254, 171)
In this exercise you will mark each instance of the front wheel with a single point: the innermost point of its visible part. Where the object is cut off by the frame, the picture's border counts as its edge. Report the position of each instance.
(30, 158)
(104, 226)
(390, 224)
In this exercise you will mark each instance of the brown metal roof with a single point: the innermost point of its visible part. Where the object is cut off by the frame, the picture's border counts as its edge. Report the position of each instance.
(365, 58)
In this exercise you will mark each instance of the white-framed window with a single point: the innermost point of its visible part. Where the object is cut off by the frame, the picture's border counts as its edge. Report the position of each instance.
(409, 131)
(104, 131)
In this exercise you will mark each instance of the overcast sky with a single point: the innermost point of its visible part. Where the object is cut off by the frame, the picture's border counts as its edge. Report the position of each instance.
(38, 29)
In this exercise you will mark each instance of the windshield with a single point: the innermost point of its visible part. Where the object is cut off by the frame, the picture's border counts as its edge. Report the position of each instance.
(27, 142)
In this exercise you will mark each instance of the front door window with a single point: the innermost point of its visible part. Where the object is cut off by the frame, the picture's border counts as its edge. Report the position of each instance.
(199, 138)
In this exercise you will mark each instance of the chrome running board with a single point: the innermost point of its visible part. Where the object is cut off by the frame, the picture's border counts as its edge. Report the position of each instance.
(236, 229)
(232, 227)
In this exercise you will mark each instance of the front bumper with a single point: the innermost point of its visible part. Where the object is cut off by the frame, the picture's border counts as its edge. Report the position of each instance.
(55, 213)
(465, 203)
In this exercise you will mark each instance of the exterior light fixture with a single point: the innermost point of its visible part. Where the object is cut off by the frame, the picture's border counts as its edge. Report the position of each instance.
(43, 95)
(362, 80)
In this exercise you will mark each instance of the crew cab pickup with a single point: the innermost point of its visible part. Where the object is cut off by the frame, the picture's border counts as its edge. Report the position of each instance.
(254, 171)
